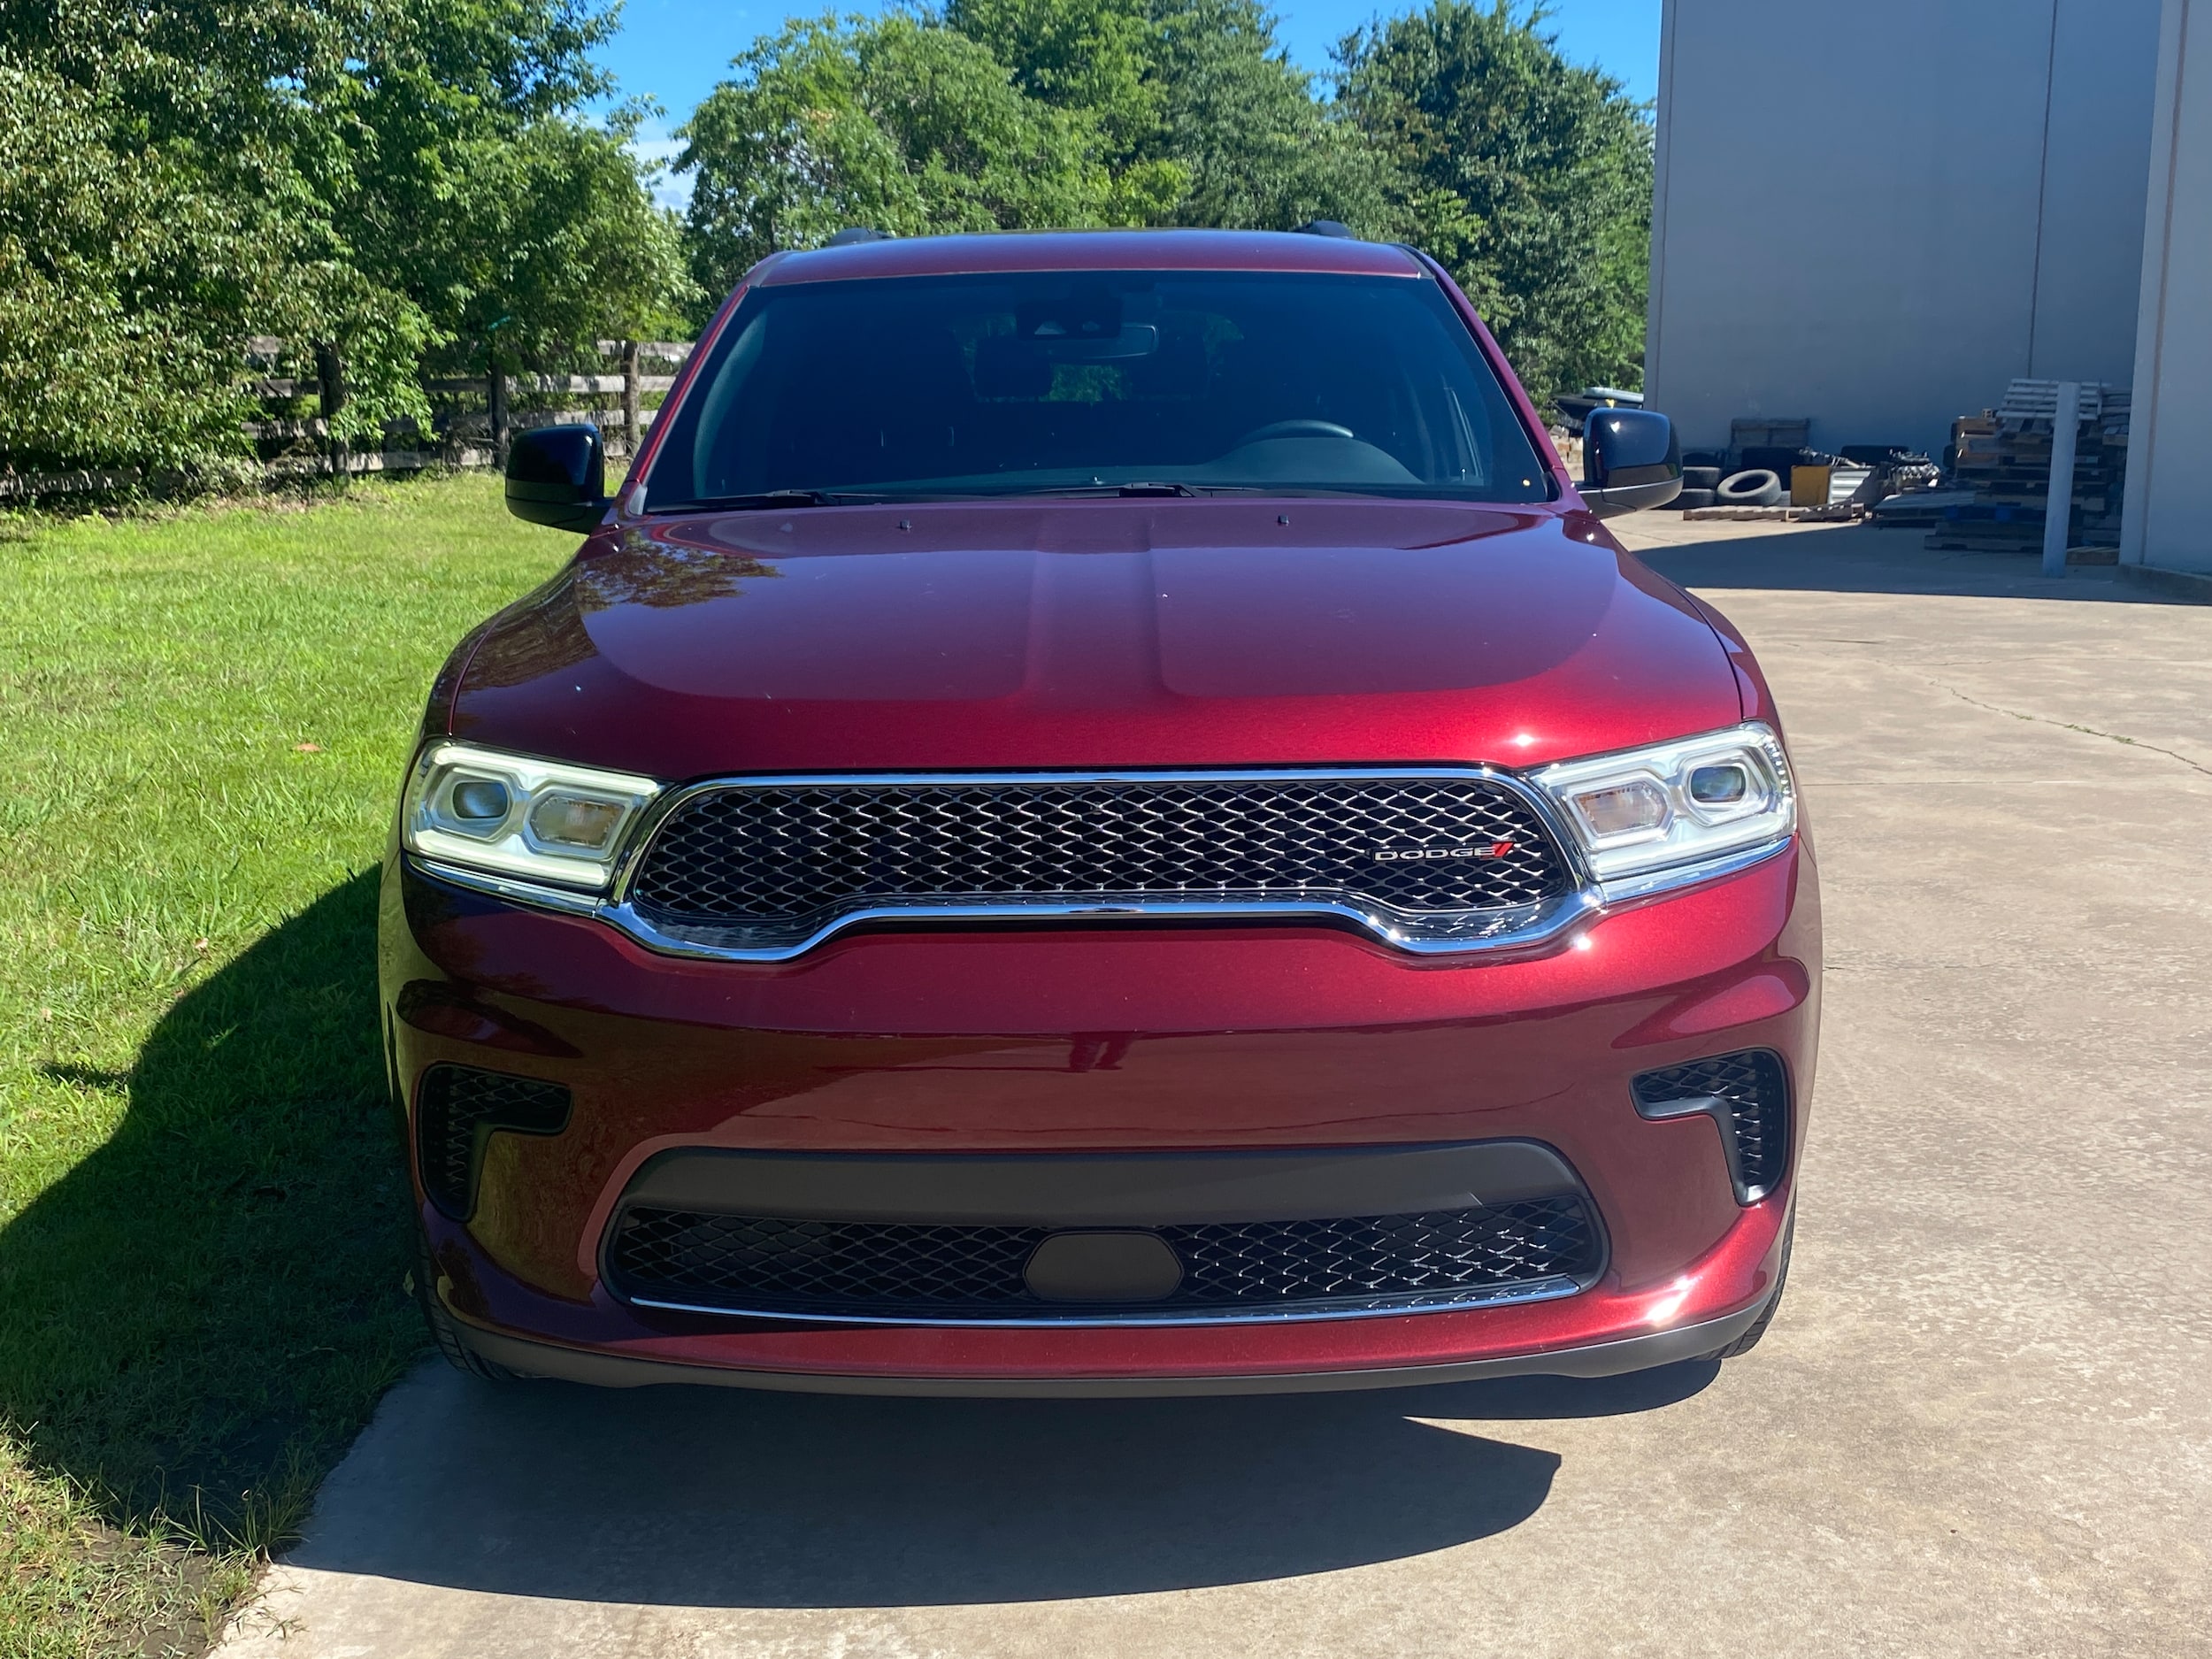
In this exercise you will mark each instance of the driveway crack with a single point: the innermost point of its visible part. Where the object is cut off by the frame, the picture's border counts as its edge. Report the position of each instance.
(2069, 726)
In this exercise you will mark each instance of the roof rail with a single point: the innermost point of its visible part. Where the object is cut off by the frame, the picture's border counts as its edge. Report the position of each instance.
(853, 234)
(1335, 227)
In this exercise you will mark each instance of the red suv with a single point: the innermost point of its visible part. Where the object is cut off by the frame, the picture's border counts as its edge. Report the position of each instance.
(1099, 815)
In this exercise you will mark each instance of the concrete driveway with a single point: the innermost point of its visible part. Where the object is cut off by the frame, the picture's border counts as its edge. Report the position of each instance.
(1982, 1423)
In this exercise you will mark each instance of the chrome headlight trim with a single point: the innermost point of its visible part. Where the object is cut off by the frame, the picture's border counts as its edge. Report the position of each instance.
(1684, 838)
(512, 849)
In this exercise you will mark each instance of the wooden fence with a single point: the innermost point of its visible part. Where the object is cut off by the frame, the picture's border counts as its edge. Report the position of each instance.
(470, 422)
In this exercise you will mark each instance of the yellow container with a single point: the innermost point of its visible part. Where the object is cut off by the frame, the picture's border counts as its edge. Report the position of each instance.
(1809, 486)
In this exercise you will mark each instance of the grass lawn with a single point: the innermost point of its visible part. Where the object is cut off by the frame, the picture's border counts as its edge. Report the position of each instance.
(202, 1216)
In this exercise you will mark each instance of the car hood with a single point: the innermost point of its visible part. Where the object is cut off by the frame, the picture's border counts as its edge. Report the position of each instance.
(1113, 633)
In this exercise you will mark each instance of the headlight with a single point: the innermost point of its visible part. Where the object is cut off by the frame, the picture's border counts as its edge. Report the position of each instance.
(533, 818)
(1653, 809)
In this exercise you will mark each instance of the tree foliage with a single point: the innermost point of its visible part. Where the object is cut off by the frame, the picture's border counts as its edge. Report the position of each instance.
(1263, 152)
(1095, 57)
(1008, 114)
(550, 242)
(1459, 128)
(1201, 119)
(368, 180)
(398, 185)
(890, 122)
(126, 282)
(1526, 176)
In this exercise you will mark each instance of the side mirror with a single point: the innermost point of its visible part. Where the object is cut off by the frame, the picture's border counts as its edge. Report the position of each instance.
(1630, 460)
(557, 476)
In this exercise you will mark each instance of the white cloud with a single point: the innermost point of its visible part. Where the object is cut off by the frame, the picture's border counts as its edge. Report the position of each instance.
(658, 147)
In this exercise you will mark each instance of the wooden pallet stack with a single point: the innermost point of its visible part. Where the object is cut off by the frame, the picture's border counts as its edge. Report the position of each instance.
(2003, 455)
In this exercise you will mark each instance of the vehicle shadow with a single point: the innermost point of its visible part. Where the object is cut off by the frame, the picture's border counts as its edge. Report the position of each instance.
(712, 1498)
(1865, 560)
(196, 1319)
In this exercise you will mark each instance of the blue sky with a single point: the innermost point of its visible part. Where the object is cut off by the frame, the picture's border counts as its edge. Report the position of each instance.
(675, 51)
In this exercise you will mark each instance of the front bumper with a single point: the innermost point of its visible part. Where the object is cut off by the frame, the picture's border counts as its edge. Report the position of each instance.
(608, 1370)
(1095, 1041)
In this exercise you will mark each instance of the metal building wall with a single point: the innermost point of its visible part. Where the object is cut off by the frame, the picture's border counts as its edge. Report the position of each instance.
(1877, 216)
(2171, 434)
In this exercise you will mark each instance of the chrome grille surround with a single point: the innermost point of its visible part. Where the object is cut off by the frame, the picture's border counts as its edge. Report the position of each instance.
(1547, 885)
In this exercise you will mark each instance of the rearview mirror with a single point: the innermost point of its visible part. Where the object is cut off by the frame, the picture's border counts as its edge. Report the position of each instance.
(1631, 461)
(557, 476)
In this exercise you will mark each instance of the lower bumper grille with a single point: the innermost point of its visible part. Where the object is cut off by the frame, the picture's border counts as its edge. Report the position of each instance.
(909, 1272)
(1747, 1095)
(456, 1108)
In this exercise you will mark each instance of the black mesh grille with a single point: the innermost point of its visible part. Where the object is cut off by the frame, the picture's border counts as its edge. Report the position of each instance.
(1754, 1112)
(765, 866)
(457, 1110)
(1368, 1255)
(884, 1270)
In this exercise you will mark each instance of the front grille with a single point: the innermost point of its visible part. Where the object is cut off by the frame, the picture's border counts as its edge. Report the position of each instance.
(860, 1269)
(763, 866)
(455, 1112)
(1750, 1094)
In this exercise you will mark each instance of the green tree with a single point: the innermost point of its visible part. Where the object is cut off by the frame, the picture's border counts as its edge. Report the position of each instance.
(553, 241)
(1527, 176)
(1205, 121)
(1017, 114)
(1099, 57)
(889, 122)
(1261, 152)
(371, 178)
(335, 130)
(126, 283)
(469, 186)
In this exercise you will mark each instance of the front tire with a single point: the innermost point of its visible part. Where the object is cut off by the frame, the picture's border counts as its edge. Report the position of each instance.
(1749, 1340)
(445, 1331)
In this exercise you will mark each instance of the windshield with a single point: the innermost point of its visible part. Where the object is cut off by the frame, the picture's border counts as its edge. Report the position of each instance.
(1105, 382)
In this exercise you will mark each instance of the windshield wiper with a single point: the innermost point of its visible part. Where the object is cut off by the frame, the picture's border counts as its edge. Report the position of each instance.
(768, 500)
(1136, 486)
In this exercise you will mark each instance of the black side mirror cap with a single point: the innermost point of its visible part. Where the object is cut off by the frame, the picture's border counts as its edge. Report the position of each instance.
(1632, 461)
(557, 476)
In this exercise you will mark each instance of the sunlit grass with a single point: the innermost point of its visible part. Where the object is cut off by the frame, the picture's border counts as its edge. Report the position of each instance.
(202, 1218)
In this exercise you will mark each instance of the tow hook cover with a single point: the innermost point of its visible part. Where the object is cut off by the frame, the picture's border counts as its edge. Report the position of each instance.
(1120, 1267)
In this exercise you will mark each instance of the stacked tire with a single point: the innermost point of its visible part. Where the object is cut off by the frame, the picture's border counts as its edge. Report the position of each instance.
(1758, 487)
(1698, 486)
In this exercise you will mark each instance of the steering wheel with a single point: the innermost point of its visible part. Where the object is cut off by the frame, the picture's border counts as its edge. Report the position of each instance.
(1294, 429)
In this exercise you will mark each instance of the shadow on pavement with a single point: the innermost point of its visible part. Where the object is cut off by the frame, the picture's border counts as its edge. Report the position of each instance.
(197, 1318)
(1867, 561)
(706, 1498)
